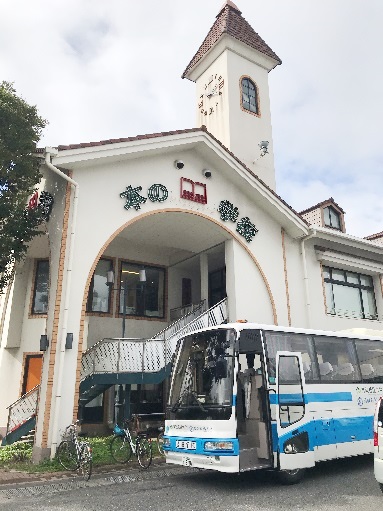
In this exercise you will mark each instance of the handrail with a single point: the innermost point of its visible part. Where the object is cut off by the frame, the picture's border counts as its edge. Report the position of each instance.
(22, 409)
(132, 355)
(23, 396)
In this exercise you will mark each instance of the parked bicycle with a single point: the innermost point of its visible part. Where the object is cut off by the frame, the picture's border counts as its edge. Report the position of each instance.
(123, 445)
(75, 454)
(160, 441)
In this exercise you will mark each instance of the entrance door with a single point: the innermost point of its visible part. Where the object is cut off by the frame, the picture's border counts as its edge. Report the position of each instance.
(293, 423)
(252, 413)
(32, 372)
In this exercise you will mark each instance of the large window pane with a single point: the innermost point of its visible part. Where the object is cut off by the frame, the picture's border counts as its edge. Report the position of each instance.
(336, 359)
(369, 306)
(99, 292)
(142, 298)
(349, 294)
(329, 299)
(347, 300)
(370, 355)
(40, 293)
(284, 341)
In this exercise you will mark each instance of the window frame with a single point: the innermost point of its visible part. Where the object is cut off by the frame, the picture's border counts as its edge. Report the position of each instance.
(332, 212)
(139, 266)
(360, 287)
(33, 313)
(89, 300)
(257, 101)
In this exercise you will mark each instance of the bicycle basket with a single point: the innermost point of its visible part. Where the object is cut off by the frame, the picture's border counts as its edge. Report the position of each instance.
(118, 431)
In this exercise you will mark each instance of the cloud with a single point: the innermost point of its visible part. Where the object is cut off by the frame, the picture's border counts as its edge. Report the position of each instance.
(99, 70)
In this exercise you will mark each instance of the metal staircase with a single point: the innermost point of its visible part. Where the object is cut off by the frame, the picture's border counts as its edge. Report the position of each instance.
(21, 416)
(117, 361)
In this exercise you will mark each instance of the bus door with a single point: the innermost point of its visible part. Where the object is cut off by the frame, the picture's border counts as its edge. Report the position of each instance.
(293, 423)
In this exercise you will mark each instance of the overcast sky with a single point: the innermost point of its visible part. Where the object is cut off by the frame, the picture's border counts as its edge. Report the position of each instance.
(100, 69)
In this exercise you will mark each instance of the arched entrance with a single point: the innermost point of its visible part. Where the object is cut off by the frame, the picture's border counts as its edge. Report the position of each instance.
(190, 261)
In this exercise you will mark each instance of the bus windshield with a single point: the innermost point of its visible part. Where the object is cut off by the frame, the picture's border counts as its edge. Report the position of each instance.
(203, 377)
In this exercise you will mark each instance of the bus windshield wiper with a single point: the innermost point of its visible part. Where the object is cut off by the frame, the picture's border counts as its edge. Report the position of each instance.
(186, 394)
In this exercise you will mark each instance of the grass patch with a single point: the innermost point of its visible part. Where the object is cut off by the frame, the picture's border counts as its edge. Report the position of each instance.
(18, 456)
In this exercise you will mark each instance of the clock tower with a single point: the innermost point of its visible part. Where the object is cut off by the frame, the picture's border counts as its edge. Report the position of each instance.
(230, 70)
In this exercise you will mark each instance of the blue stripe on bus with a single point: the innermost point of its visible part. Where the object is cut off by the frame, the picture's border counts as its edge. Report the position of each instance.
(325, 431)
(329, 431)
(313, 397)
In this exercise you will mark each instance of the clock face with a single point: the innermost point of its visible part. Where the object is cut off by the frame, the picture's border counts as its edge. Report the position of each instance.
(208, 101)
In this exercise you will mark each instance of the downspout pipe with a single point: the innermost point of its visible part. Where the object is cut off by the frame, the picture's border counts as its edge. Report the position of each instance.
(305, 276)
(49, 152)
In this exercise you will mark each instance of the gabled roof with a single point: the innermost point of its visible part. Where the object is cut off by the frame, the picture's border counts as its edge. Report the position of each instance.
(323, 203)
(229, 21)
(300, 222)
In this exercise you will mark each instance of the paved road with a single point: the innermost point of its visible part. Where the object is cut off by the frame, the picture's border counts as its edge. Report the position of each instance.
(346, 485)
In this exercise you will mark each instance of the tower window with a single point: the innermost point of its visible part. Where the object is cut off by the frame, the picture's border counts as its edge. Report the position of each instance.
(249, 95)
(331, 218)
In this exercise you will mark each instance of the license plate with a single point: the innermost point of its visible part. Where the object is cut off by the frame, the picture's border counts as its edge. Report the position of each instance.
(185, 444)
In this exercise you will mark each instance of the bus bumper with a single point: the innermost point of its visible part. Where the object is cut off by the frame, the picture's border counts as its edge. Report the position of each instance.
(217, 463)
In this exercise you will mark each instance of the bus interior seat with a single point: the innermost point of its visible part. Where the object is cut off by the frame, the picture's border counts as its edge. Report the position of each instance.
(325, 369)
(345, 369)
(367, 369)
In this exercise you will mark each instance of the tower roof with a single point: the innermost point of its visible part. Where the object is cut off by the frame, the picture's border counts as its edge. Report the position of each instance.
(230, 21)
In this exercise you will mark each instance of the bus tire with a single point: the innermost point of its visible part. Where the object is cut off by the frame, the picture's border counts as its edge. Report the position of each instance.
(291, 476)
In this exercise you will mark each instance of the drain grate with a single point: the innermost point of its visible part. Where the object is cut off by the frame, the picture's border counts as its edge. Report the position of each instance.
(74, 484)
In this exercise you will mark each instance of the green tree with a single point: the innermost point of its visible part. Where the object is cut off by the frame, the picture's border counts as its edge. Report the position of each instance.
(20, 131)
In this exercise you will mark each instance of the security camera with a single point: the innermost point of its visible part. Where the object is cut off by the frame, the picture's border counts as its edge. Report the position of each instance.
(179, 164)
(206, 173)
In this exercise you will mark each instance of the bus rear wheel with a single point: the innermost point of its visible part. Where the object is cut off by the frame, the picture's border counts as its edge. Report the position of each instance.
(291, 476)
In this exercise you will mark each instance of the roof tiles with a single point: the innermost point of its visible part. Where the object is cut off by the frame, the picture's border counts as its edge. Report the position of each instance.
(229, 21)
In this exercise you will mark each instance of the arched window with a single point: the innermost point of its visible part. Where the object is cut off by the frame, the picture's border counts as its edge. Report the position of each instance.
(249, 95)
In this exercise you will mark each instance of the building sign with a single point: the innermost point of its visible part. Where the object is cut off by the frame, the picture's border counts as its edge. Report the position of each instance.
(45, 204)
(156, 193)
(193, 191)
(245, 227)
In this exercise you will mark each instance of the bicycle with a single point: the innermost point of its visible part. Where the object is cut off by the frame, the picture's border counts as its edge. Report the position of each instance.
(123, 445)
(74, 454)
(160, 441)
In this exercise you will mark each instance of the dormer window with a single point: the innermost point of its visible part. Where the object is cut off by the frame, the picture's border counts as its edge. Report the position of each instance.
(331, 218)
(249, 96)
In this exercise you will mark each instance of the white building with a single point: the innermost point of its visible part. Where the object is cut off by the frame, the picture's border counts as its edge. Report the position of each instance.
(197, 210)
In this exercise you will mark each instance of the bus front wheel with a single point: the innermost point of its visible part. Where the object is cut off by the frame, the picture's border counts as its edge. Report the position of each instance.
(291, 476)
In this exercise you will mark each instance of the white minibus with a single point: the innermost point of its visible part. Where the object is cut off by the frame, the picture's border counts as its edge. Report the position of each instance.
(252, 397)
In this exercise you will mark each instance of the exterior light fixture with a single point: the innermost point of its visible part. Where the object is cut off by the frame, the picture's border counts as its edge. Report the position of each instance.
(44, 343)
(69, 341)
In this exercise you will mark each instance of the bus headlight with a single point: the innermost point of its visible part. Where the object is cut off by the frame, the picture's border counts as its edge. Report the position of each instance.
(222, 445)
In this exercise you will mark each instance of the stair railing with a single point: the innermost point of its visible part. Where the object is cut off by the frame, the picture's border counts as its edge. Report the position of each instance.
(124, 355)
(179, 324)
(22, 409)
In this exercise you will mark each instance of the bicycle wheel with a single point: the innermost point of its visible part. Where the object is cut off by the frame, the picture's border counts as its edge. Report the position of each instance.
(144, 452)
(66, 455)
(86, 461)
(120, 449)
(160, 443)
